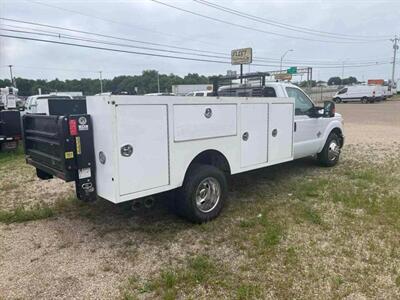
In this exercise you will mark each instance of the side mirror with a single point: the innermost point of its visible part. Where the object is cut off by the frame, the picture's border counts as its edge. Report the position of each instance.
(329, 109)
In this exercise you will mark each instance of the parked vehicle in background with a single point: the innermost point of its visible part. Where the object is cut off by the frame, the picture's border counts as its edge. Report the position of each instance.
(8, 98)
(200, 94)
(39, 104)
(160, 94)
(359, 93)
(10, 119)
(10, 129)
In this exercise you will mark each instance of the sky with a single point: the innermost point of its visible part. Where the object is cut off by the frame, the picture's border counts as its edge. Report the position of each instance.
(373, 22)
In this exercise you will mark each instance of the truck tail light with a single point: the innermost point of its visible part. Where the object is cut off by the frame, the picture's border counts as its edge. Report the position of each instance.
(73, 128)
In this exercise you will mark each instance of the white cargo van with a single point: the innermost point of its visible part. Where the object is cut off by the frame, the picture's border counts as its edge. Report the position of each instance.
(357, 93)
(133, 147)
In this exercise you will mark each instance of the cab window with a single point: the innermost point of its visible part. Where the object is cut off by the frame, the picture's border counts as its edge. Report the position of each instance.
(342, 91)
(302, 103)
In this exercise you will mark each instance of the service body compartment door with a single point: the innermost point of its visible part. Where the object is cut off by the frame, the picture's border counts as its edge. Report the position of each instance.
(280, 132)
(198, 121)
(142, 135)
(254, 134)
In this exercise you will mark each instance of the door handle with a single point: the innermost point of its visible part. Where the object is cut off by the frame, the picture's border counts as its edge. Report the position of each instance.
(295, 126)
(245, 136)
(275, 132)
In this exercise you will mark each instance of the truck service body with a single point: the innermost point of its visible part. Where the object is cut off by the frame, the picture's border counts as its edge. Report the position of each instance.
(129, 147)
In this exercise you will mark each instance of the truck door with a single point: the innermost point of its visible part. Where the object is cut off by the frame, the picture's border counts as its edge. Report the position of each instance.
(253, 134)
(142, 147)
(307, 130)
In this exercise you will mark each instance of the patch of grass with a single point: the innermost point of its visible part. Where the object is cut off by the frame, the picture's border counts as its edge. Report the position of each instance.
(21, 214)
(309, 188)
(398, 281)
(12, 155)
(272, 233)
(369, 175)
(248, 291)
(9, 186)
(169, 279)
(198, 270)
(291, 257)
(337, 281)
(249, 223)
(311, 215)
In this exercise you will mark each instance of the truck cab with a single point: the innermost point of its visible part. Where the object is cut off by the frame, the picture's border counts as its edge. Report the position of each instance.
(310, 128)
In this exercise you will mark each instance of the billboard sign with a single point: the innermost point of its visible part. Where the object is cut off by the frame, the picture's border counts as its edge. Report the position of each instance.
(241, 56)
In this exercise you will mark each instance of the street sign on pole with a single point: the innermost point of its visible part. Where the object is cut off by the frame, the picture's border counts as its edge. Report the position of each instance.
(242, 56)
(292, 70)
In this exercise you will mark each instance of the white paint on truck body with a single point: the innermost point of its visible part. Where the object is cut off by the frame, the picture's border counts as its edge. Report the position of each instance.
(148, 142)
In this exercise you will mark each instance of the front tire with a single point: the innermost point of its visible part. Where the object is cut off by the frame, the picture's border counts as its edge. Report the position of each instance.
(337, 100)
(329, 156)
(203, 193)
(364, 100)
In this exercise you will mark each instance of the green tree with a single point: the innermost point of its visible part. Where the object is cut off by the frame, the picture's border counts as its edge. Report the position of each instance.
(335, 81)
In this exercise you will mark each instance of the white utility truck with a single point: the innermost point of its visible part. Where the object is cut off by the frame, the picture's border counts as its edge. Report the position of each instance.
(363, 93)
(130, 147)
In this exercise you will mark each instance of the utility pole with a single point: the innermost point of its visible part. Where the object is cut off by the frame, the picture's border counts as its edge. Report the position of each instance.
(158, 82)
(11, 75)
(101, 82)
(342, 70)
(284, 54)
(395, 48)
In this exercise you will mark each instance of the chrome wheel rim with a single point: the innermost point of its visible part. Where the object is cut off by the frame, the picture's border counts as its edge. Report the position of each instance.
(333, 150)
(208, 194)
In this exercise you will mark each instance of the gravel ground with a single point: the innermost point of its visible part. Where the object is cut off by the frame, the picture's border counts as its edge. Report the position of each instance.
(90, 255)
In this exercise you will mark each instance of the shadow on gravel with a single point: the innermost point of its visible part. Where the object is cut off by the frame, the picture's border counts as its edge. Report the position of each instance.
(161, 218)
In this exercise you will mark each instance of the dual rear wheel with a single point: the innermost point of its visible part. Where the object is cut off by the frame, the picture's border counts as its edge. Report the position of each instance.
(203, 193)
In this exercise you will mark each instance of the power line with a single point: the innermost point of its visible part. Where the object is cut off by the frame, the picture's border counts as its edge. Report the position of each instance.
(261, 59)
(112, 21)
(59, 36)
(253, 29)
(146, 53)
(108, 43)
(114, 50)
(107, 36)
(288, 26)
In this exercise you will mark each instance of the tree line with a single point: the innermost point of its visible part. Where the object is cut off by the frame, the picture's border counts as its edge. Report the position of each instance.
(147, 82)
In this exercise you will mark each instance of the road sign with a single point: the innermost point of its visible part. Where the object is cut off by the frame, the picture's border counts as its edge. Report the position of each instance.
(283, 76)
(292, 70)
(241, 56)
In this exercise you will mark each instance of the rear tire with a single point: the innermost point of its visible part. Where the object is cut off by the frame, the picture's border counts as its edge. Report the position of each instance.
(364, 100)
(203, 193)
(329, 156)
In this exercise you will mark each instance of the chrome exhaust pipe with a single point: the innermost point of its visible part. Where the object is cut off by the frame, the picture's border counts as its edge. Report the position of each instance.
(149, 202)
(136, 204)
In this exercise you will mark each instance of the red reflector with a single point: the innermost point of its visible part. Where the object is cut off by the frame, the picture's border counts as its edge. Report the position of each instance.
(73, 129)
